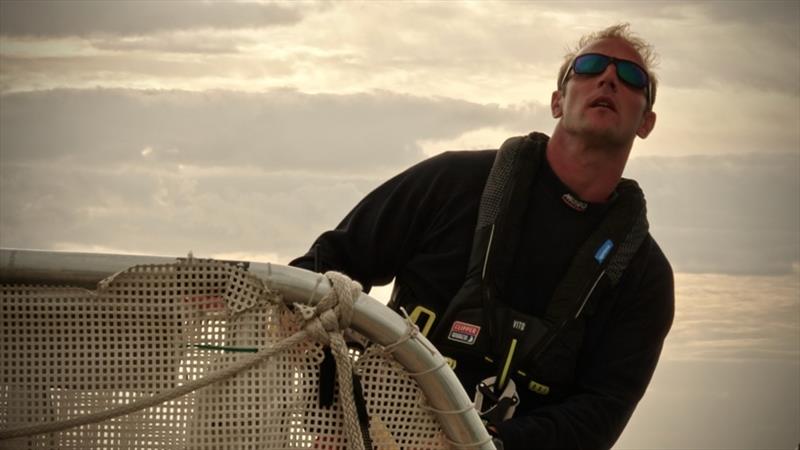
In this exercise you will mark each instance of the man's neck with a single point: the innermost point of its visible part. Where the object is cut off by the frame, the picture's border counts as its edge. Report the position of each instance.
(589, 171)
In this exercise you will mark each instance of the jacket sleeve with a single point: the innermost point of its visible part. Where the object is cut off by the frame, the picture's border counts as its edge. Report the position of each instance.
(378, 236)
(613, 372)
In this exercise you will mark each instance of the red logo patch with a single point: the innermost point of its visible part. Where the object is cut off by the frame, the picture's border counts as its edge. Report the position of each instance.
(465, 333)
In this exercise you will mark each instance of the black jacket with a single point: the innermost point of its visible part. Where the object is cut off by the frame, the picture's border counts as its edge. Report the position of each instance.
(418, 228)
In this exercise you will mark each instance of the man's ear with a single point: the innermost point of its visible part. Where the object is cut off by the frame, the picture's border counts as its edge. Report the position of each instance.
(555, 104)
(648, 122)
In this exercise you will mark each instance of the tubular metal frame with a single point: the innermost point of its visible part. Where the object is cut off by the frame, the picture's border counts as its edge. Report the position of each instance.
(451, 404)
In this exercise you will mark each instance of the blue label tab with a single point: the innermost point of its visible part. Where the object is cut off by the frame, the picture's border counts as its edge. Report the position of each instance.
(602, 253)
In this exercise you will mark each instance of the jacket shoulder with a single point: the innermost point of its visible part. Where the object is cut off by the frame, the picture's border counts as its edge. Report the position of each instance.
(477, 160)
(452, 171)
(652, 285)
(656, 260)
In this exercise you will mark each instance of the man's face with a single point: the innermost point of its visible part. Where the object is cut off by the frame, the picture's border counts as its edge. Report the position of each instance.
(601, 108)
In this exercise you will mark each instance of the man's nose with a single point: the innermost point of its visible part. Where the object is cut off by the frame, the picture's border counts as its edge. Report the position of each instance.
(609, 77)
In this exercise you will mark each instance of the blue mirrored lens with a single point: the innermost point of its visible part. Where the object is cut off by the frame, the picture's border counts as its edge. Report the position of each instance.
(627, 71)
(631, 74)
(591, 64)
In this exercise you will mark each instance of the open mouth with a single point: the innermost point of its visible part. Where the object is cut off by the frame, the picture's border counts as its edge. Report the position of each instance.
(603, 102)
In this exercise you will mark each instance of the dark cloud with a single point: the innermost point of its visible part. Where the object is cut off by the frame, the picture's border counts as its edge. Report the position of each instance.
(163, 169)
(719, 44)
(279, 129)
(715, 45)
(130, 17)
(130, 68)
(756, 12)
(730, 213)
(759, 13)
(164, 172)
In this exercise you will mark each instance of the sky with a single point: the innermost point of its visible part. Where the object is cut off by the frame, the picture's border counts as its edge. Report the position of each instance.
(244, 130)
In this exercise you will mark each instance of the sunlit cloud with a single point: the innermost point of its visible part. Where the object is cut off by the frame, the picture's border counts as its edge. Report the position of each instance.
(713, 99)
(735, 318)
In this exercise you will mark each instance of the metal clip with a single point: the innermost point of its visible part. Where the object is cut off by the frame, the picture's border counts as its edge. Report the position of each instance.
(492, 408)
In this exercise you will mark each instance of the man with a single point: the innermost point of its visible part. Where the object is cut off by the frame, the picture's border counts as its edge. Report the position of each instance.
(531, 267)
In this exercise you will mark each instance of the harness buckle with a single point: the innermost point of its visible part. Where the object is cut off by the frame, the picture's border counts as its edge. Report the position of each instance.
(495, 409)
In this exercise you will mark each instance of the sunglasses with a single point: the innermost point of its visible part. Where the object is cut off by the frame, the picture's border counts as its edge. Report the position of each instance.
(629, 72)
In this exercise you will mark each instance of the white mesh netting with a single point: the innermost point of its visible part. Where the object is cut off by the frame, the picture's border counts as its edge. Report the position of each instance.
(68, 352)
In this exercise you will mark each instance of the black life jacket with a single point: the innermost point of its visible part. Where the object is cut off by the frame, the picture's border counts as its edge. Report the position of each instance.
(479, 332)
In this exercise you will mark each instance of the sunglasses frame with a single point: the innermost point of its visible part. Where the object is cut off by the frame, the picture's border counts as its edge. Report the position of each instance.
(614, 61)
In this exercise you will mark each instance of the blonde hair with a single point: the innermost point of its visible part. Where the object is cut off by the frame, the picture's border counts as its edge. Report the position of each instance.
(618, 31)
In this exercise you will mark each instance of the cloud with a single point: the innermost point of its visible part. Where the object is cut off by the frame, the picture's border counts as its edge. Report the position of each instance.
(478, 38)
(729, 120)
(170, 210)
(214, 172)
(724, 213)
(732, 214)
(767, 13)
(725, 58)
(129, 17)
(141, 70)
(196, 42)
(718, 405)
(728, 374)
(279, 130)
(735, 318)
(201, 153)
(481, 52)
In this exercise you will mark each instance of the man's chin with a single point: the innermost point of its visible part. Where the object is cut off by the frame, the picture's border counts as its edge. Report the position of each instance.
(602, 136)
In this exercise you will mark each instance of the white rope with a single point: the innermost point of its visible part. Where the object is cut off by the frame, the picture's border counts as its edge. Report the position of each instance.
(333, 314)
(412, 332)
(427, 371)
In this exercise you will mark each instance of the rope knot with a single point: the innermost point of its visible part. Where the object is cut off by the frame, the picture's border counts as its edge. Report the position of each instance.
(334, 312)
(326, 323)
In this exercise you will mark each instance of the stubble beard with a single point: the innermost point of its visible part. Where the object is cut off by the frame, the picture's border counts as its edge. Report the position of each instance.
(604, 136)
